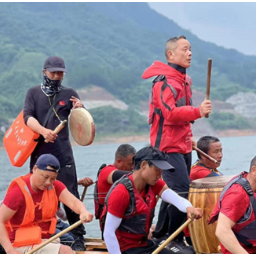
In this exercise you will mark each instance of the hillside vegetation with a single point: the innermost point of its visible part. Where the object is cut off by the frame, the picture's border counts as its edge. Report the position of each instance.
(105, 44)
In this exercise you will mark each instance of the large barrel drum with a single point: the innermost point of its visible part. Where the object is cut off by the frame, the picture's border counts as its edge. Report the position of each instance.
(204, 193)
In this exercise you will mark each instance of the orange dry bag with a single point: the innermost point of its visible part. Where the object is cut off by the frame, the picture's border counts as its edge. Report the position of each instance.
(20, 141)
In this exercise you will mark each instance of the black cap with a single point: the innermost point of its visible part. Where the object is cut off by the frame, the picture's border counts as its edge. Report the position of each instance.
(55, 63)
(48, 160)
(155, 156)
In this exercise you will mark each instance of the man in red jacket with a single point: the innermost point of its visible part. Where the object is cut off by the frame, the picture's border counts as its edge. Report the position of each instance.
(170, 115)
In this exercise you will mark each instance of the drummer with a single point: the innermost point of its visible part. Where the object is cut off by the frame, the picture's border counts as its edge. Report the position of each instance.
(204, 167)
(236, 214)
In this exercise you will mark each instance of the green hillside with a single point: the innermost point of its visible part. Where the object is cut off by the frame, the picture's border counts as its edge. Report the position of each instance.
(106, 44)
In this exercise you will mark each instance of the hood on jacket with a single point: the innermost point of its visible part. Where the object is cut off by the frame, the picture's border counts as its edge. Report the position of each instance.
(160, 68)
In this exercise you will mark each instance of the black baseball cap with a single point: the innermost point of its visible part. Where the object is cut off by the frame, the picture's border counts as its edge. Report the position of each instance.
(48, 160)
(55, 63)
(155, 156)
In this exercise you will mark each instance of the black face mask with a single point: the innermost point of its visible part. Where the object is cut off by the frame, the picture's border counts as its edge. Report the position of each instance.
(50, 87)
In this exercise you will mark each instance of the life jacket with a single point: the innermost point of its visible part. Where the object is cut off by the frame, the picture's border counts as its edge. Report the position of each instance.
(139, 215)
(49, 206)
(20, 141)
(180, 99)
(97, 205)
(245, 228)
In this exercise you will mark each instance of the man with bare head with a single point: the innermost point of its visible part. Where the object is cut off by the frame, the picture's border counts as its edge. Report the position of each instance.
(236, 214)
(204, 167)
(108, 174)
(170, 116)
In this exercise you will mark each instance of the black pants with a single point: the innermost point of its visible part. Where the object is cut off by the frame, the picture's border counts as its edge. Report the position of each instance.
(148, 249)
(169, 217)
(68, 177)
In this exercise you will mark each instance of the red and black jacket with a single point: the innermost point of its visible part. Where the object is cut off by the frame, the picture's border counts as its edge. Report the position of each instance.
(171, 109)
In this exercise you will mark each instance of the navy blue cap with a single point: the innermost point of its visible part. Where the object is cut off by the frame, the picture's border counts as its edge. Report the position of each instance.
(48, 160)
(55, 63)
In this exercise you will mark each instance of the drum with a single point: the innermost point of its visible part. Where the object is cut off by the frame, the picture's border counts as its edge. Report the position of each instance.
(204, 194)
(81, 126)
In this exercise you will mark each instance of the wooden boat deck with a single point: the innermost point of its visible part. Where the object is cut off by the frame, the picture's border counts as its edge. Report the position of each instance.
(94, 246)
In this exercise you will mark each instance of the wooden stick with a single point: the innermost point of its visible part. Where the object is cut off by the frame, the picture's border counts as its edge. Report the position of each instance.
(205, 155)
(59, 128)
(55, 237)
(83, 195)
(167, 241)
(208, 81)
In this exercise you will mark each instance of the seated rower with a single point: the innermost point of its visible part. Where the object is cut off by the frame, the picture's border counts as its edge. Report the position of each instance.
(108, 174)
(204, 167)
(130, 204)
(29, 208)
(236, 214)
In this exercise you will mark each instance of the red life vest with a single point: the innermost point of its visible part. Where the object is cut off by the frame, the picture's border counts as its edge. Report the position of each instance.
(245, 228)
(170, 109)
(98, 207)
(138, 216)
(49, 206)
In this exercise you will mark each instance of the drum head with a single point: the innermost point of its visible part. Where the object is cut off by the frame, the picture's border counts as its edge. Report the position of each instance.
(82, 126)
(212, 182)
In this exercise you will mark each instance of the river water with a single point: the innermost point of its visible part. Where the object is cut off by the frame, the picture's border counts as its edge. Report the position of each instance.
(238, 152)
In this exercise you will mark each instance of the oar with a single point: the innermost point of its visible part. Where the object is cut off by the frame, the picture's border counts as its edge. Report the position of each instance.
(161, 247)
(205, 155)
(55, 237)
(208, 81)
(83, 195)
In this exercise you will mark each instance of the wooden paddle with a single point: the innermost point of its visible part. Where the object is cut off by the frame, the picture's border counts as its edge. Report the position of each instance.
(55, 237)
(205, 155)
(170, 238)
(58, 128)
(83, 195)
(208, 81)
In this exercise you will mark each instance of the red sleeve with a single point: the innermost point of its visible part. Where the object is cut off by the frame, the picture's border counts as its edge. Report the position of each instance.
(106, 171)
(118, 201)
(158, 186)
(59, 187)
(14, 198)
(231, 205)
(184, 113)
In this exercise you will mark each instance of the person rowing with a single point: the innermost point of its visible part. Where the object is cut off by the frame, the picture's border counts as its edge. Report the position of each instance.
(29, 208)
(108, 174)
(130, 204)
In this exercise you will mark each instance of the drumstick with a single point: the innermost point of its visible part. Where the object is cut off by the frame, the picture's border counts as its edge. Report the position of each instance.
(205, 155)
(208, 81)
(58, 128)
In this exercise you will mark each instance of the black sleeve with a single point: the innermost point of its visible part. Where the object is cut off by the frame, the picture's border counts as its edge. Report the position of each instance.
(118, 174)
(29, 106)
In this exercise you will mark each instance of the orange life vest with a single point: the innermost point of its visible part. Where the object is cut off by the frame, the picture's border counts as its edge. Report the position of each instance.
(20, 141)
(28, 231)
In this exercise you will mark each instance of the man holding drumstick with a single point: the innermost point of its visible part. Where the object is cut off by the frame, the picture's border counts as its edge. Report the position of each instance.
(204, 167)
(170, 114)
(37, 103)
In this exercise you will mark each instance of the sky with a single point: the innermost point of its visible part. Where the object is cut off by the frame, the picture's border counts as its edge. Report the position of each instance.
(230, 24)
